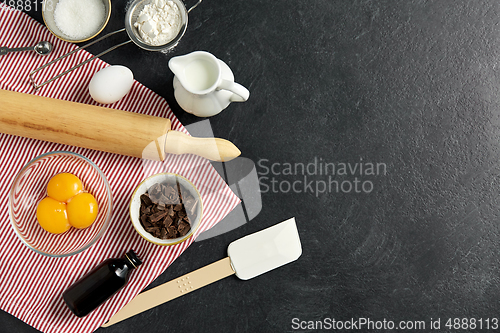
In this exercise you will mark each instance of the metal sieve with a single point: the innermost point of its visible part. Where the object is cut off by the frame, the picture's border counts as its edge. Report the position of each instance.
(133, 34)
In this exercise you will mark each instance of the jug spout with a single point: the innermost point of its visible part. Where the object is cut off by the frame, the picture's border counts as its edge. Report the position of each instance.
(199, 72)
(177, 64)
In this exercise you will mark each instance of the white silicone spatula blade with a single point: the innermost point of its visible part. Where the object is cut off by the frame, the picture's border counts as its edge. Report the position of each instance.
(265, 250)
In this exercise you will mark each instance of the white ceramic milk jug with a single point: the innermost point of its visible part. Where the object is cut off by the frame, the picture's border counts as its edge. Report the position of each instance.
(204, 85)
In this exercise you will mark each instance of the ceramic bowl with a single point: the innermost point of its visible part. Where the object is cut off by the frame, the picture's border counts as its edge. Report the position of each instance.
(29, 188)
(48, 9)
(143, 187)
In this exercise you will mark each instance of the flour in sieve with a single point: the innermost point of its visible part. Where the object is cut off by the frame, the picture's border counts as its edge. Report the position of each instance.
(159, 22)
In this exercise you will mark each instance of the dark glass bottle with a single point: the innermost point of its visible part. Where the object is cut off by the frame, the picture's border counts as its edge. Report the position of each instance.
(99, 284)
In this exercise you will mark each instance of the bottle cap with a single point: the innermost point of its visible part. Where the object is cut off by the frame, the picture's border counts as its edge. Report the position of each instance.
(132, 257)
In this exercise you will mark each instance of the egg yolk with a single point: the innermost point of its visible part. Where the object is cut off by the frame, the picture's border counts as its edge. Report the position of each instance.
(52, 216)
(64, 186)
(82, 210)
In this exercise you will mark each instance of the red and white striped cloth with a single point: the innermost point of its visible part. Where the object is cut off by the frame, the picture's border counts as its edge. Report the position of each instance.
(31, 284)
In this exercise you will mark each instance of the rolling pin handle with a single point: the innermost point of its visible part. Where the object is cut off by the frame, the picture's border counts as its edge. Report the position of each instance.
(214, 149)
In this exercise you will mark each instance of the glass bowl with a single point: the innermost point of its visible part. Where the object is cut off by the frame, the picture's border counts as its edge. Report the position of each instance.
(29, 187)
(48, 8)
(143, 187)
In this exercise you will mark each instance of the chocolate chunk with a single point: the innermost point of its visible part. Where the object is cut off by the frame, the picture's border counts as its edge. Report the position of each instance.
(171, 194)
(167, 221)
(171, 211)
(189, 201)
(146, 200)
(157, 216)
(154, 191)
(171, 232)
(183, 228)
(167, 209)
(155, 231)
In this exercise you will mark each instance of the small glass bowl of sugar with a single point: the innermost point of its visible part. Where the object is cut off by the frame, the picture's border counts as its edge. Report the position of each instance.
(76, 20)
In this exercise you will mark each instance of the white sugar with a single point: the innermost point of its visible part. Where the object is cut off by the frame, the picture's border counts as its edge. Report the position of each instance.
(79, 19)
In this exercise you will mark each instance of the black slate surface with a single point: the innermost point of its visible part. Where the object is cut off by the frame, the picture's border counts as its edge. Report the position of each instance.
(410, 85)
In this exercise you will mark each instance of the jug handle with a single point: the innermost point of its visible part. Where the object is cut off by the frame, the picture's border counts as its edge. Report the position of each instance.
(240, 93)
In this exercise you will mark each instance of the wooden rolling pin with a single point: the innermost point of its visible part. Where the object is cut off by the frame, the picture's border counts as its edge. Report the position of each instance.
(104, 129)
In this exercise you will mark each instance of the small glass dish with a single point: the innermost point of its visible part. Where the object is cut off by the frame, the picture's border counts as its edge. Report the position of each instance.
(48, 9)
(144, 186)
(29, 187)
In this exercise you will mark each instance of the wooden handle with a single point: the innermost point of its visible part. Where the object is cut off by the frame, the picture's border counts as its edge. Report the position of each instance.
(81, 125)
(173, 289)
(211, 148)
